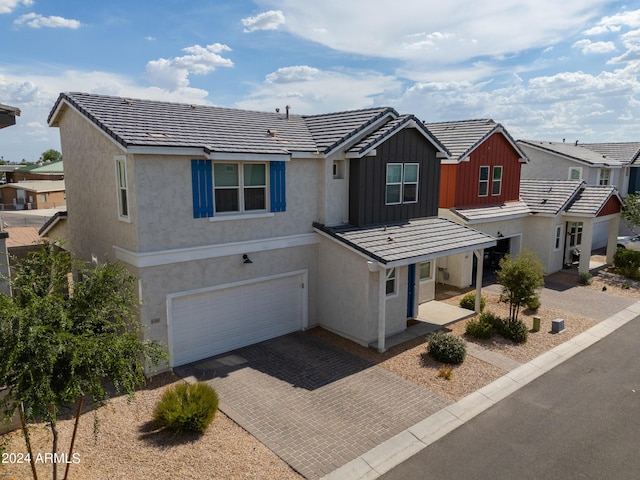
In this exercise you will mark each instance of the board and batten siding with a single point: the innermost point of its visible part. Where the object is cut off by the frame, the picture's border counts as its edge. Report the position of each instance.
(367, 181)
(494, 151)
(612, 206)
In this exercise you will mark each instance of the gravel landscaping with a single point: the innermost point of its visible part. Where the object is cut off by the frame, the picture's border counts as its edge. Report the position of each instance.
(129, 446)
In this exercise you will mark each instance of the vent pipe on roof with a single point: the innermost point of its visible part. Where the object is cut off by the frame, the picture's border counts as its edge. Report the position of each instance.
(287, 108)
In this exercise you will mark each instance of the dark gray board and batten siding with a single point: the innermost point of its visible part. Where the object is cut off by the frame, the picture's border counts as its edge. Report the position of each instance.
(367, 182)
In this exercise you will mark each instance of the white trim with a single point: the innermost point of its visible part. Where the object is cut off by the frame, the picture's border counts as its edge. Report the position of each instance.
(351, 141)
(493, 180)
(240, 216)
(579, 169)
(558, 237)
(168, 257)
(609, 177)
(304, 300)
(488, 180)
(393, 293)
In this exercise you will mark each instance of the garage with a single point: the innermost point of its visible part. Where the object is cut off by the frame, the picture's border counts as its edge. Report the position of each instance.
(211, 321)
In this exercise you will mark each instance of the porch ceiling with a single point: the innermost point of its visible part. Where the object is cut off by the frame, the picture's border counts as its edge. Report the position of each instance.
(409, 242)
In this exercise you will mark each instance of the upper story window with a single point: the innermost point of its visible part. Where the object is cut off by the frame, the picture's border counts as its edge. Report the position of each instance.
(496, 181)
(240, 187)
(575, 173)
(121, 183)
(237, 187)
(604, 176)
(402, 183)
(483, 185)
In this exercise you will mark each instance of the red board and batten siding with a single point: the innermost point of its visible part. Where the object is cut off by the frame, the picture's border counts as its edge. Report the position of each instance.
(612, 206)
(459, 182)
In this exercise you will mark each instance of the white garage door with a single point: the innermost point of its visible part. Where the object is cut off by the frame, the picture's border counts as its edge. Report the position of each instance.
(600, 234)
(214, 321)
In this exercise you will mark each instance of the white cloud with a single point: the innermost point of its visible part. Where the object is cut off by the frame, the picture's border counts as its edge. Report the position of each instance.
(587, 46)
(270, 20)
(299, 73)
(35, 20)
(173, 74)
(319, 91)
(7, 6)
(447, 32)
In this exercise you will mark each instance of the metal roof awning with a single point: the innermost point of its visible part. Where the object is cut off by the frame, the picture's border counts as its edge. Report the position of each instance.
(409, 242)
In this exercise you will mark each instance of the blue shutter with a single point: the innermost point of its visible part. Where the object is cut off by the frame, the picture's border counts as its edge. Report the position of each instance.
(278, 186)
(202, 188)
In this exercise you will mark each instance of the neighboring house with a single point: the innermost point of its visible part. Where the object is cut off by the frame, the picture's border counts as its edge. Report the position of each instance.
(32, 195)
(479, 188)
(39, 172)
(573, 161)
(568, 216)
(242, 225)
(627, 153)
(7, 118)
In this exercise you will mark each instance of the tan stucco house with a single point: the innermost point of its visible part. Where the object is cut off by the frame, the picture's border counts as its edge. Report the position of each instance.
(241, 226)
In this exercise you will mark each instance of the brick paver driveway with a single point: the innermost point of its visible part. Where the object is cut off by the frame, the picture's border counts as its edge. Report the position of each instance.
(314, 405)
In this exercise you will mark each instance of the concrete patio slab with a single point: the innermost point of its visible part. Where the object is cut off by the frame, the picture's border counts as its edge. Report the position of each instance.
(440, 313)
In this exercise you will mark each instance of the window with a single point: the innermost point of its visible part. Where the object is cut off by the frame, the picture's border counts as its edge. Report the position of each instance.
(402, 183)
(558, 238)
(496, 184)
(575, 173)
(338, 169)
(121, 181)
(42, 198)
(483, 187)
(605, 176)
(240, 187)
(391, 282)
(575, 234)
(425, 271)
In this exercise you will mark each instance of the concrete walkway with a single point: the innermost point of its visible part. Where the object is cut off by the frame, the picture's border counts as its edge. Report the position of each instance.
(396, 450)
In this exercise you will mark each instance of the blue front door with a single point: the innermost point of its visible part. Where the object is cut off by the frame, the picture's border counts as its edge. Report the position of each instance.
(411, 287)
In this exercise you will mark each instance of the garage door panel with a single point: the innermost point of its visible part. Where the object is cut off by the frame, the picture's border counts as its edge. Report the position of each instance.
(208, 323)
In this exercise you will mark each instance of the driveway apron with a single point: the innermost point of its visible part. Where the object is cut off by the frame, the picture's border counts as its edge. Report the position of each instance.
(314, 405)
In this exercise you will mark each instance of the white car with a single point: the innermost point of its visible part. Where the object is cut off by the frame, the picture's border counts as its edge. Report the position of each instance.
(632, 243)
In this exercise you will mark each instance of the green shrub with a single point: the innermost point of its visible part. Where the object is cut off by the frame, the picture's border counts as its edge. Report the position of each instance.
(187, 408)
(585, 278)
(469, 302)
(479, 329)
(447, 348)
(516, 331)
(533, 302)
(495, 321)
(627, 263)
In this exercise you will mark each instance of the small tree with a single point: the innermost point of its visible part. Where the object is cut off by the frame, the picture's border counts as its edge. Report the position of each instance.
(51, 155)
(631, 211)
(61, 341)
(521, 278)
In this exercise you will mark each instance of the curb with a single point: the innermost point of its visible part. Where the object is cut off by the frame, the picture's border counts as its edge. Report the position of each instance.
(403, 446)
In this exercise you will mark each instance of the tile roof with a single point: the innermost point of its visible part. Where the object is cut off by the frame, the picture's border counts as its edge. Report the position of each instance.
(497, 213)
(573, 152)
(409, 242)
(22, 236)
(548, 196)
(148, 123)
(464, 136)
(590, 200)
(624, 152)
(44, 169)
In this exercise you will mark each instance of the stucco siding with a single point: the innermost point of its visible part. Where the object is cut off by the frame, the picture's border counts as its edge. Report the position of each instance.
(90, 181)
(168, 222)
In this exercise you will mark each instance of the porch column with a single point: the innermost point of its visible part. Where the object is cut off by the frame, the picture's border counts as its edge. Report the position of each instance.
(382, 308)
(479, 270)
(612, 242)
(585, 247)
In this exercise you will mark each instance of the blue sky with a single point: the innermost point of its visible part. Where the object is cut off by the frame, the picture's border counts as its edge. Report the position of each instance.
(546, 70)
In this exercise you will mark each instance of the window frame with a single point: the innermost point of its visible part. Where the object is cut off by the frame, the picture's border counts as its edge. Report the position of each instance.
(482, 182)
(495, 181)
(430, 276)
(557, 239)
(392, 277)
(122, 188)
(402, 183)
(241, 189)
(607, 176)
(575, 233)
(577, 169)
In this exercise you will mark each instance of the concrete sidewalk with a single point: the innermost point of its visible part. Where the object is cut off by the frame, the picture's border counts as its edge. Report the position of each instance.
(401, 447)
